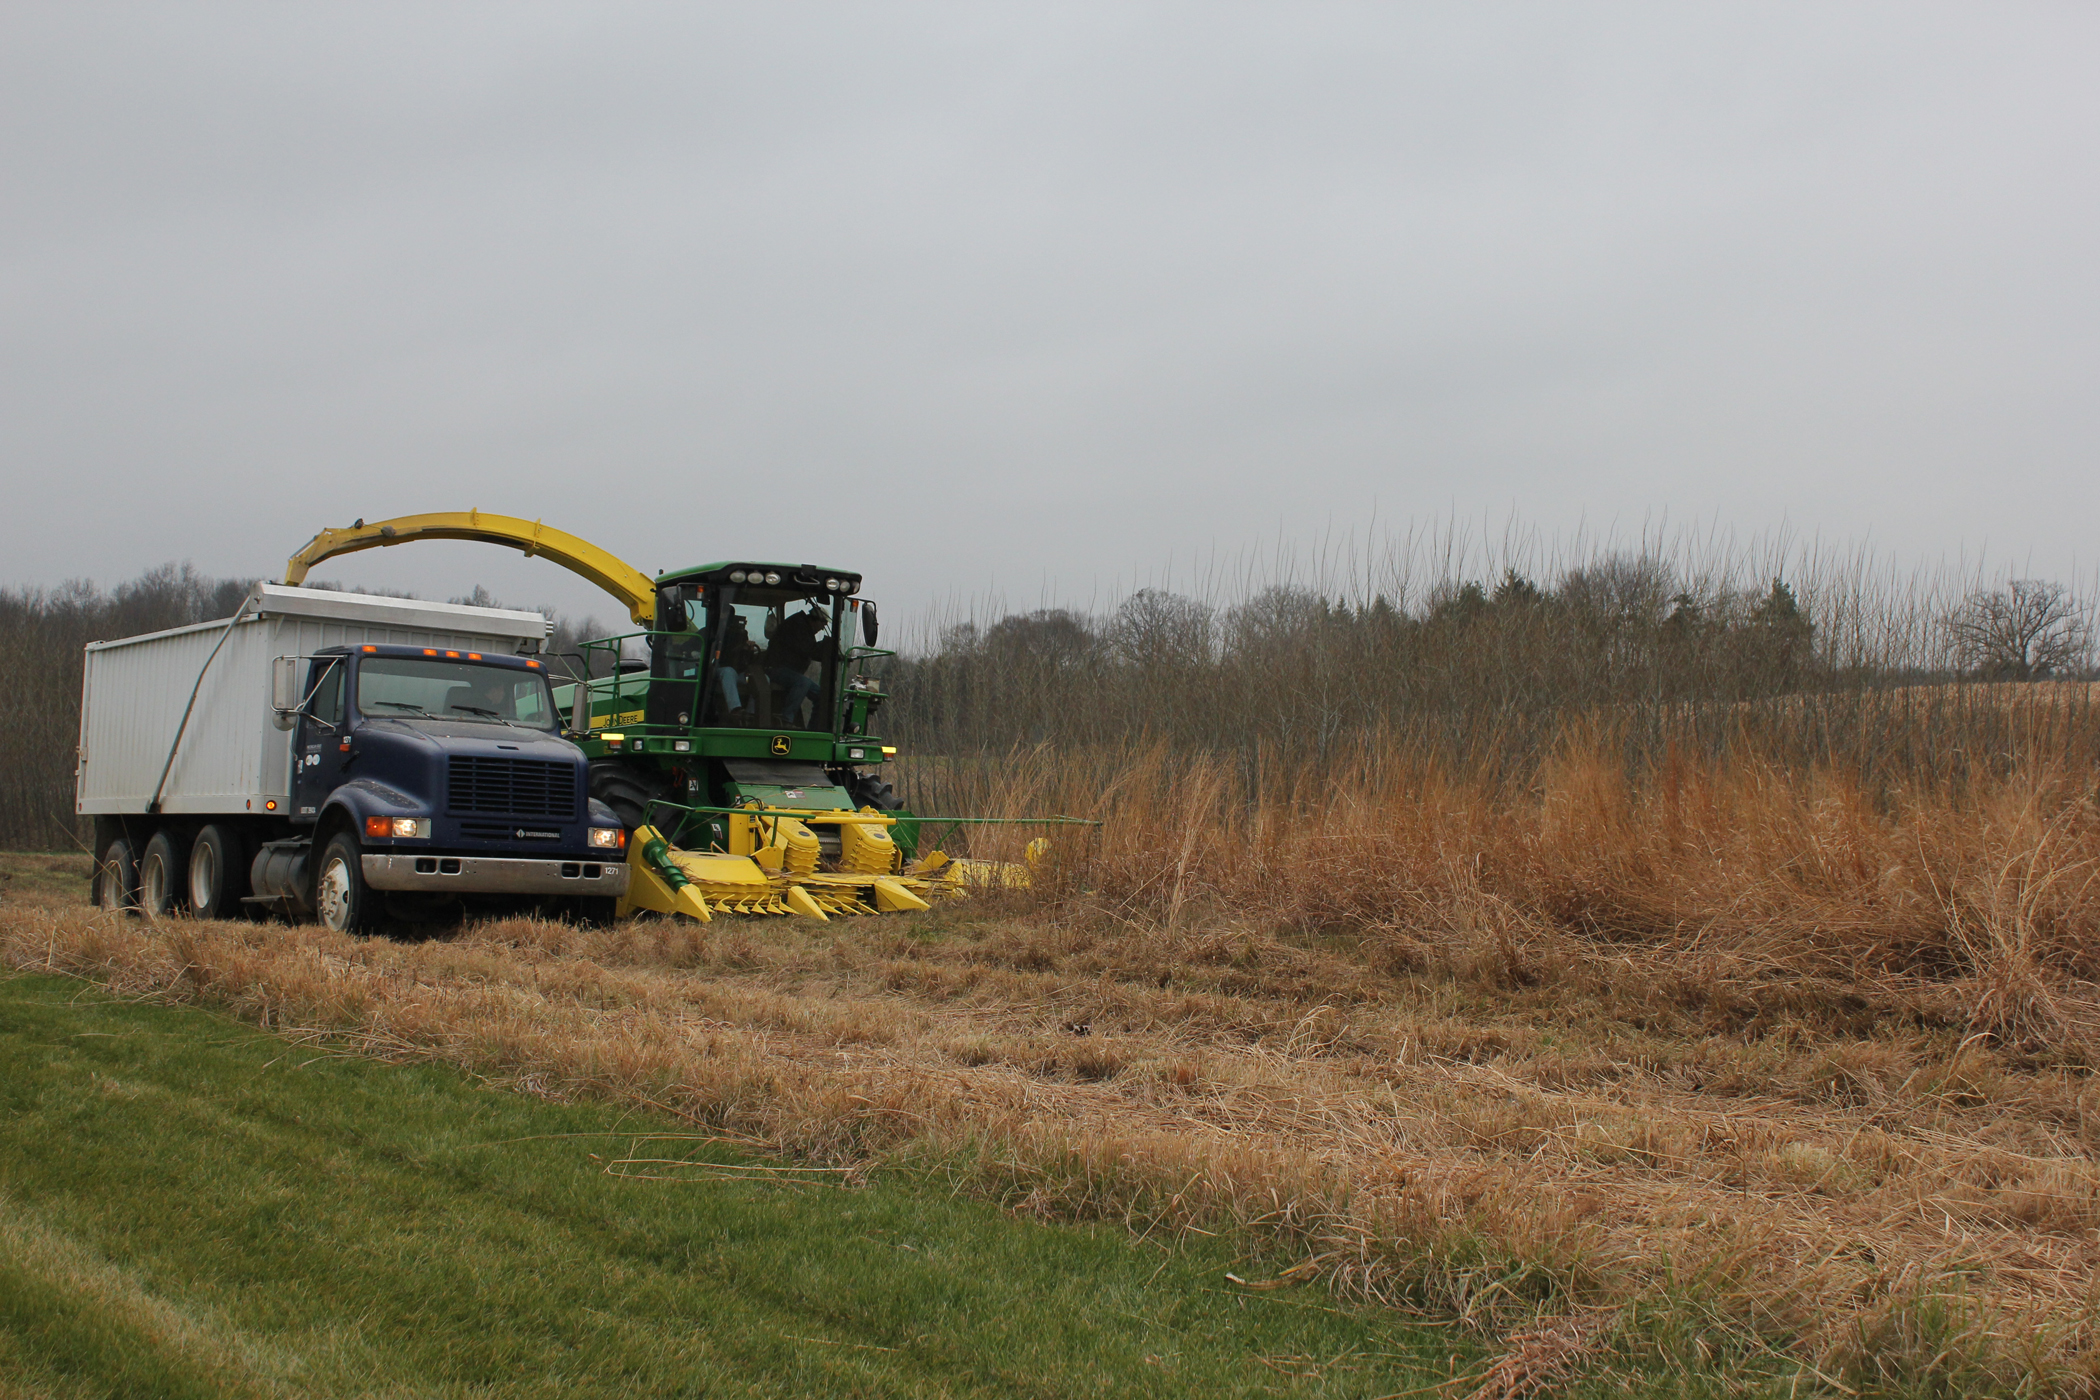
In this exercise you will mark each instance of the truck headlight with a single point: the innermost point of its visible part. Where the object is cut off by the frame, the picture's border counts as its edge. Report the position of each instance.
(402, 828)
(608, 838)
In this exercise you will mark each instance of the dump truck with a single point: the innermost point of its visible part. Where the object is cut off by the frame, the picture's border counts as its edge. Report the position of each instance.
(733, 732)
(351, 758)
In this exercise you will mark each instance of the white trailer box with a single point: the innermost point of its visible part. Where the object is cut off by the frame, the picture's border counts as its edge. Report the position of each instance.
(233, 756)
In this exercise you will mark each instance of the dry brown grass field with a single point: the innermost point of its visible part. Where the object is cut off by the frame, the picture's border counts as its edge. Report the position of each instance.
(1754, 1049)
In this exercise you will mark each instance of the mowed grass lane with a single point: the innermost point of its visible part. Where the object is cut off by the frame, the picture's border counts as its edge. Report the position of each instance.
(189, 1207)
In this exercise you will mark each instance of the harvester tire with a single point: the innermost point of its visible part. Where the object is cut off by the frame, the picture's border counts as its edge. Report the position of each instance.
(117, 877)
(626, 790)
(867, 790)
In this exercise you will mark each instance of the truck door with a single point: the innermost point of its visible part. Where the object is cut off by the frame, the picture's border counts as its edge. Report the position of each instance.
(324, 739)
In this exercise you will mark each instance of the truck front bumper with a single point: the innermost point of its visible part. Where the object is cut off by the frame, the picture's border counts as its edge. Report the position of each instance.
(490, 875)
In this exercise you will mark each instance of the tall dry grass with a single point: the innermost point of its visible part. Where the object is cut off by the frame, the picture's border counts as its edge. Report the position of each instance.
(1970, 885)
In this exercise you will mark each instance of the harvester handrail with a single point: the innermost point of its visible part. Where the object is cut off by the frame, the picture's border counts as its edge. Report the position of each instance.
(635, 590)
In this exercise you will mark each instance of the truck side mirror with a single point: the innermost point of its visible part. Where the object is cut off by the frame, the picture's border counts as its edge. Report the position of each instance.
(284, 691)
(867, 622)
(580, 709)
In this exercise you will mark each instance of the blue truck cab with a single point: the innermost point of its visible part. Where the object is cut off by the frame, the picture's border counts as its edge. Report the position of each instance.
(425, 774)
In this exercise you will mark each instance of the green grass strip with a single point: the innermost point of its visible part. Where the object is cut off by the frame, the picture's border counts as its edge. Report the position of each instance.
(191, 1207)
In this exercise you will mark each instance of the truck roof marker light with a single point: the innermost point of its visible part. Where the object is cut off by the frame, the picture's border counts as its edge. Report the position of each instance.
(533, 664)
(473, 656)
(368, 648)
(430, 651)
(452, 655)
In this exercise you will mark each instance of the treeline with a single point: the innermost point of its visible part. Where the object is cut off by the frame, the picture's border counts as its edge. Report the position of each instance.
(1488, 673)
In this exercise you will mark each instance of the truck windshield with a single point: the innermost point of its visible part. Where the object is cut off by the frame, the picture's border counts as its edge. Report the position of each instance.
(412, 687)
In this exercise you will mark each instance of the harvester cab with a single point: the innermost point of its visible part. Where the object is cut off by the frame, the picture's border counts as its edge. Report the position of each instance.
(733, 732)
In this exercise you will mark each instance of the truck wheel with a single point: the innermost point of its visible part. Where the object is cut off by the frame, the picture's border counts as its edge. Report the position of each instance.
(162, 876)
(218, 875)
(117, 878)
(340, 898)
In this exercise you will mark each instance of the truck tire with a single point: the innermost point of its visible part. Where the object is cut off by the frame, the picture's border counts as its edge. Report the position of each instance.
(218, 874)
(117, 877)
(341, 899)
(164, 875)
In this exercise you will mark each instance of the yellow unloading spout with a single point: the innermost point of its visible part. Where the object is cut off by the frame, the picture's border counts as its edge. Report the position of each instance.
(635, 589)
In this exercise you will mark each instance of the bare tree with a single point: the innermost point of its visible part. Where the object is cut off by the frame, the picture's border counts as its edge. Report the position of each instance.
(2028, 630)
(1620, 590)
(1157, 628)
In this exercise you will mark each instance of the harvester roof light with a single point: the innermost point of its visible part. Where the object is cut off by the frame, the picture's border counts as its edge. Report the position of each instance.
(831, 585)
(736, 575)
(772, 578)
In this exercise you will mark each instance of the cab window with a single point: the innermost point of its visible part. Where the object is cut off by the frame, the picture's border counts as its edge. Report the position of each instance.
(327, 688)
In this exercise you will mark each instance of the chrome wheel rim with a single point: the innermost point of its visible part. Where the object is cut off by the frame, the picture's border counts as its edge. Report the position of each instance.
(204, 876)
(332, 895)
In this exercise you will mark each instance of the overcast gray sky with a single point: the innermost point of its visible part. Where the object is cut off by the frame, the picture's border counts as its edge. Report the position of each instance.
(1024, 299)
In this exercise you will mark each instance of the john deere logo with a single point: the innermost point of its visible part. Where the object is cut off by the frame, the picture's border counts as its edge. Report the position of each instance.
(781, 744)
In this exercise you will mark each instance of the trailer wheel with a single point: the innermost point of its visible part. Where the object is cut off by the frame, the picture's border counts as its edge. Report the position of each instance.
(117, 878)
(218, 875)
(341, 898)
(162, 876)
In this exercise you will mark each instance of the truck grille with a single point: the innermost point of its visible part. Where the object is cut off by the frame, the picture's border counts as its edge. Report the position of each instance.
(513, 787)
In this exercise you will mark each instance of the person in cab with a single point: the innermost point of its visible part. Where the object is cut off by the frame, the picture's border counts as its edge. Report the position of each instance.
(794, 645)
